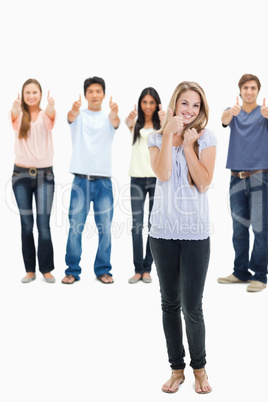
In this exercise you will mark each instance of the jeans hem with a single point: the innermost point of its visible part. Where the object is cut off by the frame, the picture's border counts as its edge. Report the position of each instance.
(243, 278)
(46, 271)
(178, 367)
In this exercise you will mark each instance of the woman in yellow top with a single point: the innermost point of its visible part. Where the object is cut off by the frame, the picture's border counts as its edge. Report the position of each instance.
(141, 123)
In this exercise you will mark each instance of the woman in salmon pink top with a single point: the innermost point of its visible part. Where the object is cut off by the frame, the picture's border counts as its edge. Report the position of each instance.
(33, 176)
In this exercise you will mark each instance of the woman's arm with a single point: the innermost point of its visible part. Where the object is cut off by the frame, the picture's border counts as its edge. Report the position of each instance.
(130, 120)
(50, 110)
(161, 160)
(201, 169)
(16, 109)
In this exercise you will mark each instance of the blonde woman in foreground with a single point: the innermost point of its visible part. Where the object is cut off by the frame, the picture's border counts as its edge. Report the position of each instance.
(183, 157)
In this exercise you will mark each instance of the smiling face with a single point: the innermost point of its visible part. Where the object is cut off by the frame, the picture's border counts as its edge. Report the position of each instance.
(249, 92)
(94, 96)
(188, 106)
(32, 95)
(148, 106)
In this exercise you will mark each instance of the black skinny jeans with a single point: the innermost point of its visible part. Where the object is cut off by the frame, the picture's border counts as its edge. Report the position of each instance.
(181, 268)
(140, 186)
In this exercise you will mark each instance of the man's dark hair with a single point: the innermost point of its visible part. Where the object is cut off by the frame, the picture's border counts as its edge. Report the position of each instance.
(249, 77)
(93, 80)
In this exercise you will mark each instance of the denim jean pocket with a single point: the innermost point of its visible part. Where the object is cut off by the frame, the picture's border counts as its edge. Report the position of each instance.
(16, 176)
(107, 184)
(262, 177)
(49, 175)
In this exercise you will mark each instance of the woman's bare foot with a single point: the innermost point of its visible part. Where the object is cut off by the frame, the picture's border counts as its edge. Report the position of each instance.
(172, 385)
(201, 382)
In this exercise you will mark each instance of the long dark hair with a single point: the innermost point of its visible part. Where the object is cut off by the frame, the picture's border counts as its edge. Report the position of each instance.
(141, 119)
(26, 117)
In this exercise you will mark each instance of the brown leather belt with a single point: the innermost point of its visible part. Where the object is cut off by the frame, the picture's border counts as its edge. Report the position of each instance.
(247, 173)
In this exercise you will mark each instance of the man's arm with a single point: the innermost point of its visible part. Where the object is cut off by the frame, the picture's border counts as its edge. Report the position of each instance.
(264, 110)
(75, 111)
(113, 115)
(228, 114)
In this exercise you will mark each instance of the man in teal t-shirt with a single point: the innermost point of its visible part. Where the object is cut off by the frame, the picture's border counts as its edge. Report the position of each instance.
(248, 161)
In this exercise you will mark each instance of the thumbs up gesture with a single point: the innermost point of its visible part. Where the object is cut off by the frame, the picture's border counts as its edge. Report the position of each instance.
(114, 108)
(161, 114)
(50, 100)
(130, 120)
(174, 125)
(113, 115)
(132, 115)
(236, 109)
(16, 107)
(17, 104)
(50, 111)
(264, 109)
(76, 105)
(50, 105)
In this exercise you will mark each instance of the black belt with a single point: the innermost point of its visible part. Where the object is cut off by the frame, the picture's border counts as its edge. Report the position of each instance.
(247, 173)
(88, 177)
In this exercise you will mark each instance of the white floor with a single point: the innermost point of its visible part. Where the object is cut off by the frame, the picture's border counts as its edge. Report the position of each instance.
(91, 341)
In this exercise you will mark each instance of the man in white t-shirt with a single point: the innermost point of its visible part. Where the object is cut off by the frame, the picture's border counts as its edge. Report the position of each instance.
(92, 136)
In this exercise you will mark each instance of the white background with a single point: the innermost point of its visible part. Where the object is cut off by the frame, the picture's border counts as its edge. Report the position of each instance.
(95, 342)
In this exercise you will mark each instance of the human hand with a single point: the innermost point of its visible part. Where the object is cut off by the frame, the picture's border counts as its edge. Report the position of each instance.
(236, 109)
(190, 136)
(50, 100)
(114, 108)
(130, 120)
(77, 104)
(16, 107)
(161, 114)
(264, 109)
(132, 115)
(174, 125)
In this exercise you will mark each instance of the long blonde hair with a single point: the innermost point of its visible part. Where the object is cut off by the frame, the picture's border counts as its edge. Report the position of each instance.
(202, 119)
(26, 117)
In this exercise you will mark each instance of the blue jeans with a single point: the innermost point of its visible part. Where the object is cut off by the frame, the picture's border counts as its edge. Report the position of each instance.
(41, 187)
(83, 192)
(140, 186)
(182, 268)
(249, 207)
